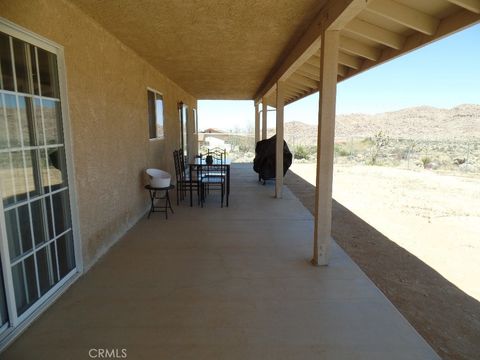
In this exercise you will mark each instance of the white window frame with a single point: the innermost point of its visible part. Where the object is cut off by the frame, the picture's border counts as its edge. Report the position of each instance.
(157, 138)
(20, 323)
(195, 120)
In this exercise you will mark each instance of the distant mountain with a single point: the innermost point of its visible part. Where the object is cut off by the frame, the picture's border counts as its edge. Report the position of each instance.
(423, 123)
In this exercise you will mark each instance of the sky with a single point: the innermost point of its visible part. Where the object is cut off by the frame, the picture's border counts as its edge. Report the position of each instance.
(443, 74)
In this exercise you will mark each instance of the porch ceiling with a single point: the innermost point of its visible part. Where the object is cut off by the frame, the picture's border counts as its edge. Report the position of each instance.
(213, 49)
(371, 33)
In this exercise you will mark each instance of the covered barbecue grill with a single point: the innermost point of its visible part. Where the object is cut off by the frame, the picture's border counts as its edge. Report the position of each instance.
(264, 162)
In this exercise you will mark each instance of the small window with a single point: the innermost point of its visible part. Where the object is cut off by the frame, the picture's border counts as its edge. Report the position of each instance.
(155, 114)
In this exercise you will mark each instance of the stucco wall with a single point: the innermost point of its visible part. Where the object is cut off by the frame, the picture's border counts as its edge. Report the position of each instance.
(107, 98)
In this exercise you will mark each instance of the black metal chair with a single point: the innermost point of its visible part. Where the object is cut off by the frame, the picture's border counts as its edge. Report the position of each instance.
(213, 182)
(218, 153)
(214, 175)
(183, 180)
(218, 156)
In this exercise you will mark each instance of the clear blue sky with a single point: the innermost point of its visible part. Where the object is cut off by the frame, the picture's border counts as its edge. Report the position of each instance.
(443, 74)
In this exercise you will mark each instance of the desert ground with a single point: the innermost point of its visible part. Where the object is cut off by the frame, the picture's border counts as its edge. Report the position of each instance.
(434, 217)
(416, 234)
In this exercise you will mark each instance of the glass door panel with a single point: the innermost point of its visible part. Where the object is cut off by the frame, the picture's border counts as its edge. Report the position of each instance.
(21, 66)
(47, 268)
(17, 222)
(37, 232)
(6, 69)
(25, 283)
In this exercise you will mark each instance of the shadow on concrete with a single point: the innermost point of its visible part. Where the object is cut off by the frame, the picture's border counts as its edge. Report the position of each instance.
(443, 314)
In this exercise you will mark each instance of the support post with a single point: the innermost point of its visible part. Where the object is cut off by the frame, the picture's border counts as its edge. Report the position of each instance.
(257, 124)
(264, 118)
(325, 147)
(279, 140)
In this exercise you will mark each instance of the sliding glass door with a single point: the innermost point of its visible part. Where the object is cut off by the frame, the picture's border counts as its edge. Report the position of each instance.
(36, 238)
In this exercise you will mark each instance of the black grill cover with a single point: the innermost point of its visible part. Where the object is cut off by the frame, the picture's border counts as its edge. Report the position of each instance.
(264, 162)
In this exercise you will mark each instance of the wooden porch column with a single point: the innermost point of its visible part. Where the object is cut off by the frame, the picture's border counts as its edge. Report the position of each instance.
(279, 142)
(257, 124)
(325, 147)
(264, 118)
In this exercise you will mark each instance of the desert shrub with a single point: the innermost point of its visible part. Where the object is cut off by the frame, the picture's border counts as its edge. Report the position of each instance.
(245, 148)
(379, 141)
(425, 161)
(340, 150)
(304, 152)
(241, 143)
(300, 152)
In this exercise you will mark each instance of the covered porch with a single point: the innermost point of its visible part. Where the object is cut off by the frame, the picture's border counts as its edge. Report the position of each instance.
(207, 283)
(232, 283)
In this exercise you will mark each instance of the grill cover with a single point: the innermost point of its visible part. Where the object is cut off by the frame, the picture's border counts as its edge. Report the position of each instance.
(264, 162)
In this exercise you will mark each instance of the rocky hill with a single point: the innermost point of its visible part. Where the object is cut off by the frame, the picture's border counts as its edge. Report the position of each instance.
(422, 123)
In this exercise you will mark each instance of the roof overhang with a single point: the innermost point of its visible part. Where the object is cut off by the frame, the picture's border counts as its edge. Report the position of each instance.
(371, 33)
(240, 49)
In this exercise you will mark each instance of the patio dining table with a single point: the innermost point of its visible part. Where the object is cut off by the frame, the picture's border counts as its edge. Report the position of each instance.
(198, 165)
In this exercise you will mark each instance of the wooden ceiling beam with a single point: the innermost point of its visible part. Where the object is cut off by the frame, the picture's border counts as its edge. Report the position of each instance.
(405, 16)
(334, 15)
(449, 25)
(342, 70)
(376, 33)
(295, 88)
(299, 79)
(346, 11)
(349, 60)
(310, 92)
(470, 5)
(291, 92)
(290, 99)
(299, 86)
(315, 77)
(314, 61)
(357, 48)
(311, 69)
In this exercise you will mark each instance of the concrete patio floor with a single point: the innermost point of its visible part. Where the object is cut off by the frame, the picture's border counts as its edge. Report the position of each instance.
(231, 283)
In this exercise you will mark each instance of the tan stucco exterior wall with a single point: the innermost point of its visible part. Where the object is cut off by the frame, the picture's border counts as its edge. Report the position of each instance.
(107, 97)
